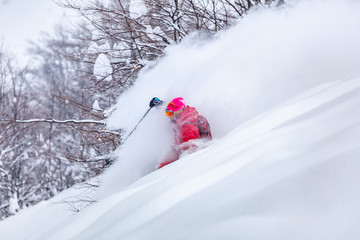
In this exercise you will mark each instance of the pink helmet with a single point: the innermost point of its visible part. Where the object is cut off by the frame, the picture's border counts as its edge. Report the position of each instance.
(175, 106)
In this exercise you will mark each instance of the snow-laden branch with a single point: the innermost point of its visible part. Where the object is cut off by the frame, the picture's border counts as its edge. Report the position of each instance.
(3, 171)
(61, 121)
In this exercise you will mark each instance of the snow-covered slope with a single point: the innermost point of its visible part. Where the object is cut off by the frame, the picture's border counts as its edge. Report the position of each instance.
(290, 173)
(281, 91)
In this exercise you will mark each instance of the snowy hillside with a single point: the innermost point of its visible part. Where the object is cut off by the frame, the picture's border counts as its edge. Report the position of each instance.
(281, 91)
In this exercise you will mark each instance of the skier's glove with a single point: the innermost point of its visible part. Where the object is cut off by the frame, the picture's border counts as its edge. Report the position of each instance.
(155, 102)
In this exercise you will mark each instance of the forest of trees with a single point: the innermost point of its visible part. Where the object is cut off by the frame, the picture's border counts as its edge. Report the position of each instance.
(52, 129)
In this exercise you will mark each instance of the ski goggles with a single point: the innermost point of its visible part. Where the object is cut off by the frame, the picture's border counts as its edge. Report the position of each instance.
(171, 114)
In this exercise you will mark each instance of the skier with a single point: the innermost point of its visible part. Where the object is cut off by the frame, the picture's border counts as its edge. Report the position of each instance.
(188, 125)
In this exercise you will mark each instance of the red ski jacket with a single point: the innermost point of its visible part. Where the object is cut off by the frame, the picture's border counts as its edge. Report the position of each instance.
(188, 125)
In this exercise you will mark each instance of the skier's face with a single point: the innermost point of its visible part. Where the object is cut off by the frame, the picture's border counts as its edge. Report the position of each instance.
(171, 113)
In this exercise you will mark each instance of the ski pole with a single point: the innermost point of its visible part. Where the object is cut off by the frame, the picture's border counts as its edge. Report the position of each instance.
(153, 103)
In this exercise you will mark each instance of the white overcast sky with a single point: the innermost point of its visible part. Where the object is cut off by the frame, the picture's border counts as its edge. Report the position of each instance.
(23, 20)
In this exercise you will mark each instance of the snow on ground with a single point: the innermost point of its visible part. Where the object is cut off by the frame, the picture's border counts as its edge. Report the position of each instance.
(292, 173)
(281, 91)
(47, 214)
